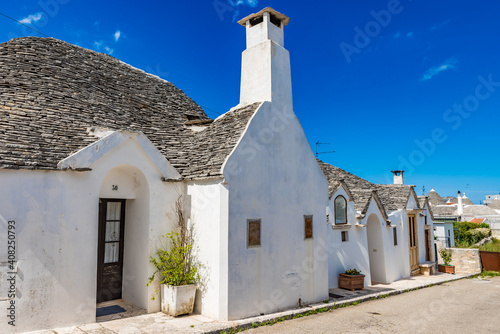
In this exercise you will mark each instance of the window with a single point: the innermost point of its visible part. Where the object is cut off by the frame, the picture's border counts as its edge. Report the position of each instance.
(253, 232)
(425, 218)
(308, 227)
(449, 233)
(395, 234)
(345, 236)
(340, 210)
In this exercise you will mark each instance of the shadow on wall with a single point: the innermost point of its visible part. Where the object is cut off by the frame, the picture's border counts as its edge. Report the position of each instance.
(376, 249)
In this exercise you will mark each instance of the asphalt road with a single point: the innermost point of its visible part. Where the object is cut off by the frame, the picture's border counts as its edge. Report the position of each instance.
(465, 306)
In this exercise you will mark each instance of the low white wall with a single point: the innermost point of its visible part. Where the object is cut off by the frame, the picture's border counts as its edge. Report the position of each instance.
(209, 210)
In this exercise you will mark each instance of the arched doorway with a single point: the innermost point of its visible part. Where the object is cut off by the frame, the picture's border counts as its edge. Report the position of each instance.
(376, 249)
(123, 236)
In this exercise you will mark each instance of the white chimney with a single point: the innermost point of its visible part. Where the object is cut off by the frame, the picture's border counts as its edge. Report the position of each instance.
(398, 176)
(265, 67)
(460, 206)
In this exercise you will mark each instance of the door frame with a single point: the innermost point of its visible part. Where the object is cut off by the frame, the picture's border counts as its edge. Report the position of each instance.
(413, 227)
(101, 242)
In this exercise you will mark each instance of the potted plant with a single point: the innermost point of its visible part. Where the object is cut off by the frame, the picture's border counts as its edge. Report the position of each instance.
(352, 279)
(490, 255)
(446, 256)
(177, 266)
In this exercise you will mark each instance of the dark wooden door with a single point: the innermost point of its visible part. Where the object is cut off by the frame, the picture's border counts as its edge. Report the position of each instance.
(110, 249)
(427, 246)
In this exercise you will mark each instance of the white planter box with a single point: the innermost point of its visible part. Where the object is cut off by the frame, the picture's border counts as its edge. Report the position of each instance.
(177, 300)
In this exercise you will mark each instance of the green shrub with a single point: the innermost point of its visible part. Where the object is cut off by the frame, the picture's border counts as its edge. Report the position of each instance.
(470, 233)
(352, 272)
(488, 274)
(446, 255)
(177, 265)
(493, 246)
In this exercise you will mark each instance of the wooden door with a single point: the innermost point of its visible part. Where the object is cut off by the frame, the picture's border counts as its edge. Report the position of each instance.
(110, 249)
(413, 242)
(427, 245)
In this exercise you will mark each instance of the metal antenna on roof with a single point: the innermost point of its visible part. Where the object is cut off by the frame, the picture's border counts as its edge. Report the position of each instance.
(318, 153)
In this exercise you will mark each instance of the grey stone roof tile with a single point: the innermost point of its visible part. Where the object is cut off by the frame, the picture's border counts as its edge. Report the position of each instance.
(495, 204)
(473, 210)
(54, 95)
(441, 211)
(391, 197)
(435, 198)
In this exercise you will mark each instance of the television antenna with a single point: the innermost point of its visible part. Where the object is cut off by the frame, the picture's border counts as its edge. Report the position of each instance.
(318, 143)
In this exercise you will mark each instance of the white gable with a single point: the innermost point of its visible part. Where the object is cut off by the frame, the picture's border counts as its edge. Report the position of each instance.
(86, 157)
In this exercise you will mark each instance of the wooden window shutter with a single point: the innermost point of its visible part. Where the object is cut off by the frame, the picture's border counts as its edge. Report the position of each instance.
(308, 227)
(253, 233)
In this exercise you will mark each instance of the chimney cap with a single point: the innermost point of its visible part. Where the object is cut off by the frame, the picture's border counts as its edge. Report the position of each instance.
(397, 171)
(283, 18)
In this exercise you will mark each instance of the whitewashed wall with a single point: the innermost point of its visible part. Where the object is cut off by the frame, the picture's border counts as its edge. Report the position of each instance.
(399, 256)
(377, 243)
(400, 260)
(209, 214)
(273, 175)
(442, 230)
(57, 218)
(348, 254)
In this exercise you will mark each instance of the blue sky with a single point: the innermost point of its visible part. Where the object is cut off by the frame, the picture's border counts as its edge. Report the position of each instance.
(411, 85)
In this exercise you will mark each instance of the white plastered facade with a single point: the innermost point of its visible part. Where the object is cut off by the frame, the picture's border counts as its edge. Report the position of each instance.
(371, 246)
(56, 215)
(350, 254)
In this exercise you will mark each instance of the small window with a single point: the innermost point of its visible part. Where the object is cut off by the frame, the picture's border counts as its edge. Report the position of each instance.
(395, 234)
(345, 236)
(340, 210)
(425, 219)
(254, 233)
(308, 227)
(449, 233)
(192, 117)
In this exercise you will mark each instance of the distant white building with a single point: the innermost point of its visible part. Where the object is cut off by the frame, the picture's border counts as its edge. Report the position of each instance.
(461, 208)
(383, 230)
(444, 234)
(489, 198)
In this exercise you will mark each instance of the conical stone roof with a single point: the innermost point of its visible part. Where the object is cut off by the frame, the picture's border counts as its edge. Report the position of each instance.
(495, 204)
(435, 198)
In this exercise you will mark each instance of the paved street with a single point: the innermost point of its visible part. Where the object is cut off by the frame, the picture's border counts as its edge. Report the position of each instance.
(465, 306)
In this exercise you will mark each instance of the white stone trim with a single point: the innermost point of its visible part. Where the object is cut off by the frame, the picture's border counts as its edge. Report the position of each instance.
(86, 157)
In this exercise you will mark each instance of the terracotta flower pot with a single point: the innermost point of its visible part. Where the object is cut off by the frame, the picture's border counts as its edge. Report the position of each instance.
(490, 260)
(446, 269)
(351, 282)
